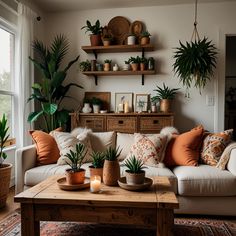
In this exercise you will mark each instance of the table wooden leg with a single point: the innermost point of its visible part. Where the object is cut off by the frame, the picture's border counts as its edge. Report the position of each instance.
(29, 226)
(165, 222)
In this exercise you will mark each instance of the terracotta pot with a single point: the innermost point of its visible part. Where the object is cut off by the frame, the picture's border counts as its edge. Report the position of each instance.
(111, 172)
(165, 105)
(106, 66)
(144, 40)
(142, 66)
(75, 177)
(95, 39)
(134, 66)
(132, 178)
(5, 173)
(96, 171)
(106, 42)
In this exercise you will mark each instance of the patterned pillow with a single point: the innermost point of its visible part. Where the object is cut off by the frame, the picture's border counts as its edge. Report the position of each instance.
(149, 148)
(213, 147)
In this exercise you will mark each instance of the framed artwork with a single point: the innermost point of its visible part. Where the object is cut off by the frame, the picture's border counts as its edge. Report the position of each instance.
(141, 102)
(124, 100)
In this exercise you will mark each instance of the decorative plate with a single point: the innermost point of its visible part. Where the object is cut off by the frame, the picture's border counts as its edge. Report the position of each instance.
(136, 28)
(119, 27)
(69, 187)
(136, 187)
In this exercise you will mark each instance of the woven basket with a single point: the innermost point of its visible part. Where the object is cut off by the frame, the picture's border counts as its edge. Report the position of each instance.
(5, 177)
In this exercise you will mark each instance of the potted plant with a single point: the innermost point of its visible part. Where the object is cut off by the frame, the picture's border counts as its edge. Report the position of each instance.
(107, 65)
(85, 65)
(194, 63)
(5, 169)
(97, 103)
(165, 95)
(126, 65)
(97, 163)
(111, 168)
(145, 38)
(76, 175)
(86, 108)
(95, 36)
(106, 36)
(51, 90)
(134, 63)
(143, 63)
(134, 173)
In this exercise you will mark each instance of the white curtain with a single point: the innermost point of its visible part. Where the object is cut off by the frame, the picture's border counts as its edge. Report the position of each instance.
(24, 73)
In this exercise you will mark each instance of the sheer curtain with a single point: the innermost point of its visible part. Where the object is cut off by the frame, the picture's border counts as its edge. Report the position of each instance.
(24, 73)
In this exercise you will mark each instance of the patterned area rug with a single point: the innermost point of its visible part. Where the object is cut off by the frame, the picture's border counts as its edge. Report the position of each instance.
(10, 226)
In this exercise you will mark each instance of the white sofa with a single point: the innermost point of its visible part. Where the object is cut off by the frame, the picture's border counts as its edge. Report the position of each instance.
(201, 190)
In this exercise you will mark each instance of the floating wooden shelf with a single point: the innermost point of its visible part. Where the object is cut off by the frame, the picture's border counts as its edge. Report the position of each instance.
(118, 73)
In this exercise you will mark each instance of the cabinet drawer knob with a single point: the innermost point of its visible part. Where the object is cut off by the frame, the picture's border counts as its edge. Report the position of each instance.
(155, 121)
(120, 122)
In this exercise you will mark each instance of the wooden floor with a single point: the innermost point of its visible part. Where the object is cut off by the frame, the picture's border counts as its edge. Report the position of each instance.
(11, 205)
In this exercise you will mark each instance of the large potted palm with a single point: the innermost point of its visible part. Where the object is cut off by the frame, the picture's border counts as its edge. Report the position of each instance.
(52, 89)
(5, 169)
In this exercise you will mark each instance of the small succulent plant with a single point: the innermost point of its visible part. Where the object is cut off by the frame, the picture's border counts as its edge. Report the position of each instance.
(98, 159)
(112, 154)
(134, 165)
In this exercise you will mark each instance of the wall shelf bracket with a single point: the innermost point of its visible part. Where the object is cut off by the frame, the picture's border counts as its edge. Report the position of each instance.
(96, 79)
(142, 79)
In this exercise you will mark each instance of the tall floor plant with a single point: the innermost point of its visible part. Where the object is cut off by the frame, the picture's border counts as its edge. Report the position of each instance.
(51, 90)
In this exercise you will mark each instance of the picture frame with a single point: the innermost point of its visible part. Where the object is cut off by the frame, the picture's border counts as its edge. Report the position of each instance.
(123, 98)
(141, 102)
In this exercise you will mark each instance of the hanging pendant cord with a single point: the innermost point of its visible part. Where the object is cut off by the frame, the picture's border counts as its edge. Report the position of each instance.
(195, 35)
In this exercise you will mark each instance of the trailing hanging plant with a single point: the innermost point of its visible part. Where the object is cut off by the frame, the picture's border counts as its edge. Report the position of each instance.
(51, 90)
(195, 61)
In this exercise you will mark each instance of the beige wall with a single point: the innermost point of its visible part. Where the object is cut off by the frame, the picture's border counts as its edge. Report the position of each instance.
(168, 25)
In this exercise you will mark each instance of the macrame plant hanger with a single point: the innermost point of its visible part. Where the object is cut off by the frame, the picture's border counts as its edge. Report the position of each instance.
(195, 35)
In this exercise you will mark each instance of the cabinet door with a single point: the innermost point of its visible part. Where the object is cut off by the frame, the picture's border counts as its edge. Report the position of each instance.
(122, 124)
(94, 123)
(154, 124)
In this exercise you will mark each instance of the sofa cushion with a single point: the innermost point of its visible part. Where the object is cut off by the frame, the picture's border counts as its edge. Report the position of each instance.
(204, 180)
(124, 141)
(184, 149)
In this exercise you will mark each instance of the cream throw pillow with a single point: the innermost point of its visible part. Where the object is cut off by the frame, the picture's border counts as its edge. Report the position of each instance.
(149, 148)
(67, 142)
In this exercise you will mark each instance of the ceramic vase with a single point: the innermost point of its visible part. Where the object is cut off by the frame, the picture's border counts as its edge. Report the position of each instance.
(86, 108)
(111, 172)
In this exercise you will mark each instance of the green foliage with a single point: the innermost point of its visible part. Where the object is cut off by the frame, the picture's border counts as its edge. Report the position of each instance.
(85, 65)
(194, 63)
(134, 165)
(134, 59)
(164, 93)
(76, 157)
(143, 60)
(51, 91)
(94, 29)
(112, 154)
(107, 61)
(3, 138)
(98, 159)
(86, 100)
(145, 34)
(96, 101)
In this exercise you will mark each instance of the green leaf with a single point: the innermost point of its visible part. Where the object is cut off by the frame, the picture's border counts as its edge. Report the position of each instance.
(33, 116)
(48, 108)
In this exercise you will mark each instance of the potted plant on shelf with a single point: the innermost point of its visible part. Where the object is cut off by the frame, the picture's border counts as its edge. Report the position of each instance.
(97, 103)
(145, 38)
(126, 65)
(76, 175)
(97, 163)
(143, 63)
(194, 63)
(111, 168)
(134, 173)
(107, 65)
(165, 95)
(95, 36)
(5, 169)
(134, 63)
(86, 108)
(85, 65)
(106, 36)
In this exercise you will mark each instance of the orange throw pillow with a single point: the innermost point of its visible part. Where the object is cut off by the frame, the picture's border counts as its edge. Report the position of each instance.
(184, 149)
(47, 150)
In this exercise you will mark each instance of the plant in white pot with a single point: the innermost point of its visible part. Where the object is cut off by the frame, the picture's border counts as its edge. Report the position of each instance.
(76, 175)
(5, 169)
(97, 103)
(97, 163)
(134, 173)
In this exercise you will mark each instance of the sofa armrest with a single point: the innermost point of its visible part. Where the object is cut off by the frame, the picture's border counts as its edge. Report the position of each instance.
(231, 166)
(25, 159)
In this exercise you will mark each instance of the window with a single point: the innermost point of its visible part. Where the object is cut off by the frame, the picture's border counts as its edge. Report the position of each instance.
(7, 52)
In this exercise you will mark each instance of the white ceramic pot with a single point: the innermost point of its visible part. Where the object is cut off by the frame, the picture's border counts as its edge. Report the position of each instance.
(86, 108)
(96, 108)
(131, 40)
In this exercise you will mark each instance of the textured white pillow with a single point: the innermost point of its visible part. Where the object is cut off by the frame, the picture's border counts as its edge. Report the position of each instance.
(66, 142)
(149, 148)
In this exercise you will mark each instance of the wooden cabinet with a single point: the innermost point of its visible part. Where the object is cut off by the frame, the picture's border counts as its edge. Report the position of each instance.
(124, 123)
(118, 49)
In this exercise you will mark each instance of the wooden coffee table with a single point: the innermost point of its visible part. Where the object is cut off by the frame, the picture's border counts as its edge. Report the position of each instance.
(46, 202)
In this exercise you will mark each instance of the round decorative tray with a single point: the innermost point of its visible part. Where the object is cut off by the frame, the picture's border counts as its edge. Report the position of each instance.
(136, 187)
(69, 187)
